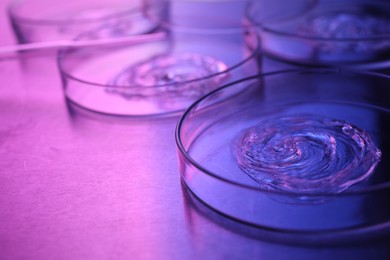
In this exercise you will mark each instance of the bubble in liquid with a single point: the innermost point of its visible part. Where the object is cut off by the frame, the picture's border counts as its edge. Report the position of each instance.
(170, 77)
(350, 27)
(307, 154)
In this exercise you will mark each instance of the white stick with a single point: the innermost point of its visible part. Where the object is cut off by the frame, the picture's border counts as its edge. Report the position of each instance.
(13, 52)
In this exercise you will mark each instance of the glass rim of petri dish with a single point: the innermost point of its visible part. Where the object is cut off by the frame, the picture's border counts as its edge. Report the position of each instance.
(255, 23)
(64, 52)
(307, 37)
(13, 5)
(183, 151)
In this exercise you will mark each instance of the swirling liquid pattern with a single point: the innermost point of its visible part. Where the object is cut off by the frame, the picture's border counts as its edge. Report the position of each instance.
(341, 26)
(306, 154)
(184, 75)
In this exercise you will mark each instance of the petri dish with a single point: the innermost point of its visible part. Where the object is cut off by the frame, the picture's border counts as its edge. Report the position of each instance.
(157, 77)
(302, 151)
(324, 32)
(37, 21)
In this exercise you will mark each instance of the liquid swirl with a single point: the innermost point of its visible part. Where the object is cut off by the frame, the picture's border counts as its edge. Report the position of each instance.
(174, 76)
(348, 26)
(307, 154)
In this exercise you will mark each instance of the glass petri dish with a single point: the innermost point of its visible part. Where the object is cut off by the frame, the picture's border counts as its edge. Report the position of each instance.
(157, 77)
(293, 151)
(323, 32)
(38, 21)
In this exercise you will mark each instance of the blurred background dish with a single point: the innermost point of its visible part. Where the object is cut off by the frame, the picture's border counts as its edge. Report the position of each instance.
(323, 32)
(41, 21)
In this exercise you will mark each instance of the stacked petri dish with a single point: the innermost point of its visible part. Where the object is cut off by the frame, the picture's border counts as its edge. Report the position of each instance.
(324, 32)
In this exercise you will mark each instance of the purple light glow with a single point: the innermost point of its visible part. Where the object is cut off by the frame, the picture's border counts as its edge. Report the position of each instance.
(76, 184)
